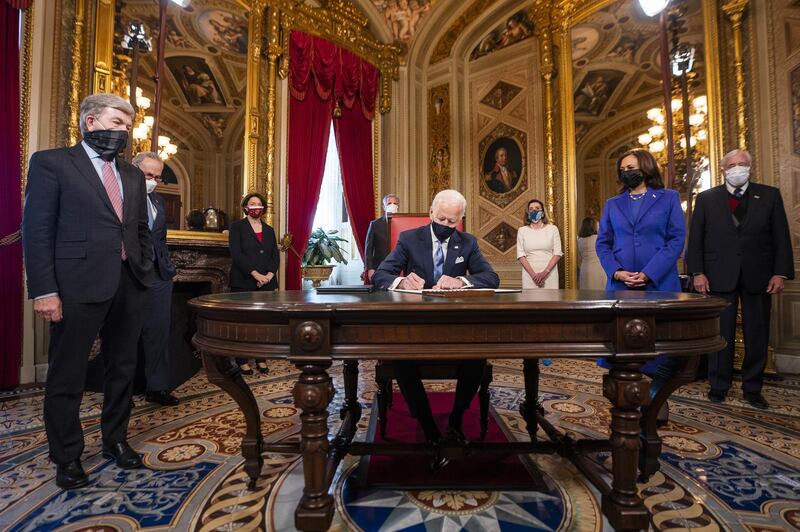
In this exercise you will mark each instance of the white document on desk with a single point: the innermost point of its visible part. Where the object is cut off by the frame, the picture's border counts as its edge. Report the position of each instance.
(431, 290)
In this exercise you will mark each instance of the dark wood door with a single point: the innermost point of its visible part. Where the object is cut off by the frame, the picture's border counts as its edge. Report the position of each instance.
(172, 206)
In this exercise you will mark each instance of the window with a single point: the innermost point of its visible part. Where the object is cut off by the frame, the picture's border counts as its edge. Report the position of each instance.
(331, 213)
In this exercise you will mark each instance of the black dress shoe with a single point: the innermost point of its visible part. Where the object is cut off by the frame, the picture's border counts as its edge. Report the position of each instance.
(756, 400)
(162, 398)
(71, 475)
(125, 457)
(248, 371)
(262, 368)
(456, 435)
(438, 462)
(717, 396)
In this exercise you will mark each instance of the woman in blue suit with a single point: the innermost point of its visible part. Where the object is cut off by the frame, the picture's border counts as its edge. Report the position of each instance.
(642, 232)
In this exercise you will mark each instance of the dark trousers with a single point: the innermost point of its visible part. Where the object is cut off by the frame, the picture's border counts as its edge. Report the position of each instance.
(155, 336)
(755, 326)
(409, 379)
(119, 321)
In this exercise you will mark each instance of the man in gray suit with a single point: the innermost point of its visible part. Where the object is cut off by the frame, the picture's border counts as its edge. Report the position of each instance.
(158, 312)
(377, 246)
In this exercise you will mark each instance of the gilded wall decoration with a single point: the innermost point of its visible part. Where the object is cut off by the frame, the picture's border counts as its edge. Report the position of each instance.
(438, 139)
(197, 82)
(517, 28)
(445, 44)
(795, 79)
(595, 90)
(503, 237)
(403, 17)
(592, 205)
(224, 29)
(501, 95)
(502, 164)
(584, 39)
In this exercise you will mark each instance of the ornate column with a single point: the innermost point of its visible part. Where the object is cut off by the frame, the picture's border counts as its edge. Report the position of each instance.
(735, 11)
(252, 117)
(547, 70)
(76, 76)
(103, 47)
(274, 51)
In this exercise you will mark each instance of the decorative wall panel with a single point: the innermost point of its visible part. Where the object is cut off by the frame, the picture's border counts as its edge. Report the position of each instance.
(438, 139)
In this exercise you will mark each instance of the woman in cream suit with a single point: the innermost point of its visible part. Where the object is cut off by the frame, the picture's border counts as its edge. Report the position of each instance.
(538, 249)
(590, 274)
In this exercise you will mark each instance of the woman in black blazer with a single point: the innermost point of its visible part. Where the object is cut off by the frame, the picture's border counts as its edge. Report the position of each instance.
(254, 256)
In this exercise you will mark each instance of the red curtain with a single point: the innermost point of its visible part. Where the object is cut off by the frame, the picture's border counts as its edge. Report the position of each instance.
(340, 79)
(10, 198)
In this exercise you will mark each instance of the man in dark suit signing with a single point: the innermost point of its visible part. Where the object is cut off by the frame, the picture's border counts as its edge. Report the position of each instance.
(377, 246)
(158, 311)
(89, 262)
(438, 256)
(740, 248)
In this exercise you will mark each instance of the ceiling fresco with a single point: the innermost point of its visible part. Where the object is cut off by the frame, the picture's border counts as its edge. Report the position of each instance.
(205, 65)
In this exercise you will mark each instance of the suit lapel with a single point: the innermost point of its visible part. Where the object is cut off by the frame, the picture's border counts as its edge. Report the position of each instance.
(721, 199)
(128, 186)
(160, 213)
(453, 251)
(754, 202)
(87, 170)
(624, 206)
(426, 241)
(252, 232)
(651, 197)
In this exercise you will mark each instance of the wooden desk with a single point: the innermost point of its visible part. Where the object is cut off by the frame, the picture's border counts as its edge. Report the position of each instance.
(313, 330)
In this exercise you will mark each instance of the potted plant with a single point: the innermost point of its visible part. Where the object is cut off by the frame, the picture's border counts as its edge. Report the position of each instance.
(322, 248)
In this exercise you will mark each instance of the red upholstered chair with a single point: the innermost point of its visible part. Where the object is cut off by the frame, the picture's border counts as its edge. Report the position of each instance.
(430, 370)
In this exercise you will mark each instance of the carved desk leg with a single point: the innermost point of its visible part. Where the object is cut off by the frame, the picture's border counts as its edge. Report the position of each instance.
(627, 390)
(648, 461)
(312, 394)
(528, 408)
(227, 376)
(351, 403)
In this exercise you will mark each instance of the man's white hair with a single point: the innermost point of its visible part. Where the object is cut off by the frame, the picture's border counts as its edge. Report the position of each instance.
(733, 153)
(141, 156)
(386, 199)
(450, 196)
(95, 104)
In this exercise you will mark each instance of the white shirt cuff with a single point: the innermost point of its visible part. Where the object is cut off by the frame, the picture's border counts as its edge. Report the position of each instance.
(467, 284)
(395, 283)
(51, 294)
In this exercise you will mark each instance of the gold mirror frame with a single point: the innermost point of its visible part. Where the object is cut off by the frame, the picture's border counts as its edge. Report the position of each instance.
(271, 22)
(571, 13)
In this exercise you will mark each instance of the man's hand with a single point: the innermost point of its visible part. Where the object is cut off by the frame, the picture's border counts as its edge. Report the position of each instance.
(48, 308)
(775, 284)
(370, 273)
(700, 283)
(412, 282)
(448, 283)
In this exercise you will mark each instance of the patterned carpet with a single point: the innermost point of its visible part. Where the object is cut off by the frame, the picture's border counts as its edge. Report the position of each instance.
(724, 467)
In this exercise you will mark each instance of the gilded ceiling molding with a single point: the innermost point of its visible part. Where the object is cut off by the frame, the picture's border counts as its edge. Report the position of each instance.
(444, 46)
(735, 10)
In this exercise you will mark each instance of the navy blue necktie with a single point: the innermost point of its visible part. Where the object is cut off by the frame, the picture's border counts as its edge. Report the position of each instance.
(737, 193)
(438, 263)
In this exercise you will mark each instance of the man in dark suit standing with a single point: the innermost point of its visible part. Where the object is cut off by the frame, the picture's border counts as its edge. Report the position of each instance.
(89, 262)
(740, 248)
(437, 256)
(158, 311)
(377, 246)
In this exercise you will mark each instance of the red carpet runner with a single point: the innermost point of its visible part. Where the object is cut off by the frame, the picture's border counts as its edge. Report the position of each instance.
(478, 471)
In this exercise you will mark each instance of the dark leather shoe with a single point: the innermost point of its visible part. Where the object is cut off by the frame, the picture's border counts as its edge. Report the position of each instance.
(756, 400)
(262, 368)
(71, 475)
(125, 457)
(438, 462)
(456, 435)
(662, 418)
(162, 398)
(717, 396)
(248, 371)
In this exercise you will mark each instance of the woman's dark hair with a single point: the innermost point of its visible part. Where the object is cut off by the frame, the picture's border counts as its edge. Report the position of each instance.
(647, 164)
(525, 219)
(248, 197)
(588, 227)
(195, 220)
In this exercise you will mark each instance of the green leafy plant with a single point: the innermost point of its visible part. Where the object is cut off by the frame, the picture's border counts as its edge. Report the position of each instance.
(323, 247)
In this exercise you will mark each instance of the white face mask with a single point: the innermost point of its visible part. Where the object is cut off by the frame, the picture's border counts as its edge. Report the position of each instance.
(150, 185)
(392, 208)
(737, 176)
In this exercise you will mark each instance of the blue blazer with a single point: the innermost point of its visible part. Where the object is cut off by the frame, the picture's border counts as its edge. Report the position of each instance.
(414, 253)
(652, 243)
